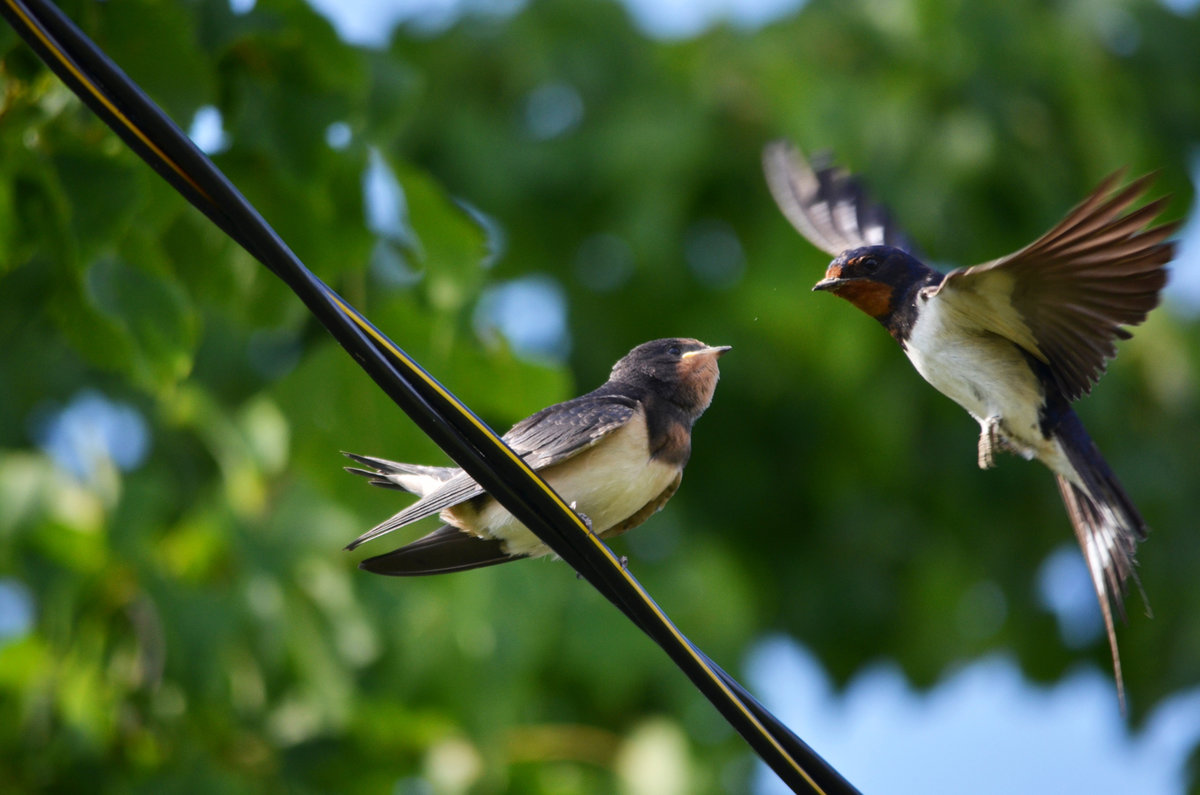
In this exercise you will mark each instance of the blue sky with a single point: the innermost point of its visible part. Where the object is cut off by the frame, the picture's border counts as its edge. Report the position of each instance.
(983, 729)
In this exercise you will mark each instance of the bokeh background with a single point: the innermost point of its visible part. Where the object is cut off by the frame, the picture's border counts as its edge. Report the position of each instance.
(518, 193)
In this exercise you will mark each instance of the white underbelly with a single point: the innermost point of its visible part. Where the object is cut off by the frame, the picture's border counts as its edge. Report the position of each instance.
(984, 373)
(601, 482)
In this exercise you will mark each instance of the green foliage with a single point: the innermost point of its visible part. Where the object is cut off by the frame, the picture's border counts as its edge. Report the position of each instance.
(197, 626)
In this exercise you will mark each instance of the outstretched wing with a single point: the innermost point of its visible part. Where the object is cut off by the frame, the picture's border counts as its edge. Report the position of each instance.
(827, 204)
(1064, 297)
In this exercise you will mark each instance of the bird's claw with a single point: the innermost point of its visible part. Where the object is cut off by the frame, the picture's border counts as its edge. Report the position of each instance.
(624, 561)
(583, 517)
(990, 441)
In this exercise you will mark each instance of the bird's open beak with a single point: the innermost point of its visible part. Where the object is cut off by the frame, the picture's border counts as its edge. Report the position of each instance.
(716, 351)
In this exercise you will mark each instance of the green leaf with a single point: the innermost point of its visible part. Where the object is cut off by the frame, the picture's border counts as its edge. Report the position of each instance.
(450, 244)
(133, 321)
(103, 192)
(158, 48)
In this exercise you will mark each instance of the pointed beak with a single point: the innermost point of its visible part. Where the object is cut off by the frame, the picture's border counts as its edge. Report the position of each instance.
(828, 284)
(716, 351)
(833, 277)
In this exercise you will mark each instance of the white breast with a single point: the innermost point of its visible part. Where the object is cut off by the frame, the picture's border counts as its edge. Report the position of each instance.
(600, 481)
(981, 371)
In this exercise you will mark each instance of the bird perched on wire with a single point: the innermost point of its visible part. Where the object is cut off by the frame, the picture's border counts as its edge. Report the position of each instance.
(616, 455)
(1013, 341)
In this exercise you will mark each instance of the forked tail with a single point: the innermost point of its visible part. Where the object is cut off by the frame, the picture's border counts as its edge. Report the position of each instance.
(1107, 525)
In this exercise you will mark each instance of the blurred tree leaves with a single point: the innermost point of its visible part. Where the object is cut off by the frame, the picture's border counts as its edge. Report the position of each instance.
(195, 624)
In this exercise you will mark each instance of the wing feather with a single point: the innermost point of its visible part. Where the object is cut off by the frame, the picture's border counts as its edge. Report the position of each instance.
(1065, 297)
(548, 437)
(826, 204)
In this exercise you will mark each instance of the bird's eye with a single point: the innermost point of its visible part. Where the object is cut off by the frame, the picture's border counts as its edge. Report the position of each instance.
(675, 350)
(869, 264)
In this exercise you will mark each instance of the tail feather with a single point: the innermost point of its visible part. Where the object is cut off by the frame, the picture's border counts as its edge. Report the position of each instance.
(375, 480)
(1107, 526)
(413, 478)
(444, 550)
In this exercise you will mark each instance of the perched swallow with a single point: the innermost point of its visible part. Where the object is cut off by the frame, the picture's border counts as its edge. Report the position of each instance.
(1013, 341)
(616, 455)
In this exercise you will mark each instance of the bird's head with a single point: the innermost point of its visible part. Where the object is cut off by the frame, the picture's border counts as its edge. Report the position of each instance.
(683, 371)
(873, 278)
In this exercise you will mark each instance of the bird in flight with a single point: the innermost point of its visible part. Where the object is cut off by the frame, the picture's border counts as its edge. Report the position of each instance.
(616, 455)
(1013, 341)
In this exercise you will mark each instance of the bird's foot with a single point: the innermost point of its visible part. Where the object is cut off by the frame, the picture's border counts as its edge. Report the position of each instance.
(990, 441)
(624, 561)
(583, 517)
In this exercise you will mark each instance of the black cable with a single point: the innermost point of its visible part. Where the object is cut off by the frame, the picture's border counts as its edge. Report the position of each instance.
(464, 437)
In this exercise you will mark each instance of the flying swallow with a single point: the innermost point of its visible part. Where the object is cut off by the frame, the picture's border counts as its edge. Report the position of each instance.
(1013, 341)
(616, 455)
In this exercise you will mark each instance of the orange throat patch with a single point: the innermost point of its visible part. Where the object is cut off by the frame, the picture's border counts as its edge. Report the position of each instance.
(874, 298)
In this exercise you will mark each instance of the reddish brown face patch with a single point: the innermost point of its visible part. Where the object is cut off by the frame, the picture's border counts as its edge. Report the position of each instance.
(834, 271)
(874, 298)
(698, 376)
